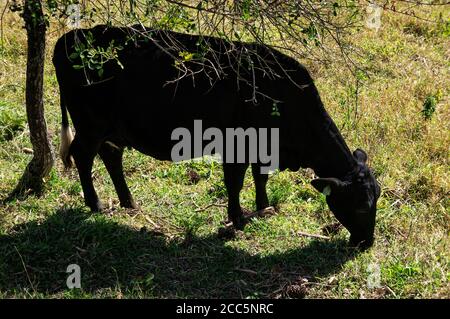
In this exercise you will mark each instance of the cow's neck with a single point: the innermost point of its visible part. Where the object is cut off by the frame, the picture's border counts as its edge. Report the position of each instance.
(331, 156)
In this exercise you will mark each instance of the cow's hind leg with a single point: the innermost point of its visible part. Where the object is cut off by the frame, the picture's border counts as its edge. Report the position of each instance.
(260, 187)
(112, 158)
(234, 180)
(84, 153)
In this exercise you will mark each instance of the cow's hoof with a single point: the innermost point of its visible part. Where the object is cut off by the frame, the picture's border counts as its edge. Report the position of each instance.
(360, 244)
(226, 233)
(239, 223)
(130, 205)
(97, 207)
(135, 206)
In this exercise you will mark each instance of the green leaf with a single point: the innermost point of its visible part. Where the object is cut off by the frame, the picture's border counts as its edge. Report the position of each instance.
(74, 55)
(335, 7)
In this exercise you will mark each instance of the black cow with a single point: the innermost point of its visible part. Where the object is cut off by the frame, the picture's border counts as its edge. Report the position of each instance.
(235, 85)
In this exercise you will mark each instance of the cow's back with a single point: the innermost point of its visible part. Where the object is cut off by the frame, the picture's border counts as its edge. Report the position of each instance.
(143, 103)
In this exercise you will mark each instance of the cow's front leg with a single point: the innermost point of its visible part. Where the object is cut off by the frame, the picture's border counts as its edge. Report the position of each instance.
(84, 154)
(112, 158)
(260, 187)
(234, 180)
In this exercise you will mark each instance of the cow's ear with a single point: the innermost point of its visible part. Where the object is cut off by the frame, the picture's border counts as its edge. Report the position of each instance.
(328, 185)
(360, 155)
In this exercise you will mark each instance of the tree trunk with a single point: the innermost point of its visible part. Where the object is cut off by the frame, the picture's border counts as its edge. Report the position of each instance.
(43, 159)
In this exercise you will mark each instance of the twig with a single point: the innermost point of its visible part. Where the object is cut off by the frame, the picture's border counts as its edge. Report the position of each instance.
(300, 233)
(262, 212)
(1, 23)
(247, 271)
(209, 206)
(151, 221)
(25, 268)
(391, 291)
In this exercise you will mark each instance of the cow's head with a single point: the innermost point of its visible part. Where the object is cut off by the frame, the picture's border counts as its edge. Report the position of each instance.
(353, 200)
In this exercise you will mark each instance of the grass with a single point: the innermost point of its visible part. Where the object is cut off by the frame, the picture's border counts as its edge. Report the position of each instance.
(171, 248)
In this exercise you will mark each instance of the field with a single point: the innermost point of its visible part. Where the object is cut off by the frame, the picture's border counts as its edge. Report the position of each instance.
(170, 247)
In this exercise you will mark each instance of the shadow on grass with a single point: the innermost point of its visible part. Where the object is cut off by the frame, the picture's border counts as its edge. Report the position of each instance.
(114, 257)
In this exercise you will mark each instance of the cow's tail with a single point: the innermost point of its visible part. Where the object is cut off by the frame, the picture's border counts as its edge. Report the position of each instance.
(66, 138)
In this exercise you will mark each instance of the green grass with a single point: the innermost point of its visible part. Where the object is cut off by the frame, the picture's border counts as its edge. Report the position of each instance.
(171, 249)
